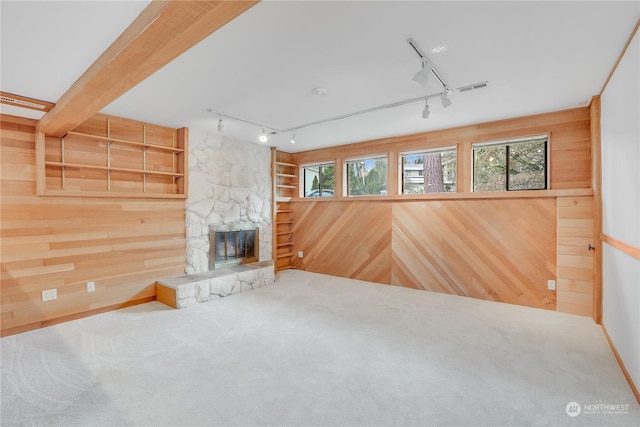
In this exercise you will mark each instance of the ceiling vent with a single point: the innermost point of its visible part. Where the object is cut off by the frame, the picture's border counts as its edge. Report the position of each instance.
(24, 102)
(473, 87)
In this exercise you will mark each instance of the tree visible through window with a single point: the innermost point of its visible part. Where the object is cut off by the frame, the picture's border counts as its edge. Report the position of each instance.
(319, 180)
(367, 177)
(429, 172)
(510, 165)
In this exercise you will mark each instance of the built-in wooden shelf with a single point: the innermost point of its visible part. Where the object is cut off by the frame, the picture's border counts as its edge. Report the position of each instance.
(125, 142)
(89, 161)
(285, 185)
(110, 169)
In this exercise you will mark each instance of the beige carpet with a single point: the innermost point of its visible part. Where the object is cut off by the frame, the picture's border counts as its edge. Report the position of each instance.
(315, 350)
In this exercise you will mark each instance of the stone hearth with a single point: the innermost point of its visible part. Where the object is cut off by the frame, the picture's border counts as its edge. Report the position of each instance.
(184, 291)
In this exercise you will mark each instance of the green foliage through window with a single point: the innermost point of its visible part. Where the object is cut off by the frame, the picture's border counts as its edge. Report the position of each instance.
(367, 177)
(319, 180)
(512, 165)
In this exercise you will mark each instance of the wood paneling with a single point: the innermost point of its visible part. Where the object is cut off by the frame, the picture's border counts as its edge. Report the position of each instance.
(123, 245)
(569, 142)
(575, 260)
(347, 239)
(498, 250)
(496, 246)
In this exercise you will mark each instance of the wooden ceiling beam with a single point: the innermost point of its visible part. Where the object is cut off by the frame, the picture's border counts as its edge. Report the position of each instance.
(163, 31)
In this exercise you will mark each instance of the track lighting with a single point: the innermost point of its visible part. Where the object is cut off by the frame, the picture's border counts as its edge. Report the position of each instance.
(446, 102)
(293, 136)
(422, 76)
(263, 136)
(426, 111)
(220, 124)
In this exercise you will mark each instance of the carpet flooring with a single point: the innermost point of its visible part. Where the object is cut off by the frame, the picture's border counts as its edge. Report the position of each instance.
(315, 350)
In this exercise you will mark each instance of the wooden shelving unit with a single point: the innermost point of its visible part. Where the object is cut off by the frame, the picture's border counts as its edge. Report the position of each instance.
(285, 185)
(85, 163)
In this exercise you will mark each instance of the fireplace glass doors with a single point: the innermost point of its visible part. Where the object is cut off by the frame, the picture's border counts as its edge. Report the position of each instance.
(232, 244)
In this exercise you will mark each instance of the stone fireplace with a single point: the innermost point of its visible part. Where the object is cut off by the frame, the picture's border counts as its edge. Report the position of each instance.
(229, 183)
(233, 244)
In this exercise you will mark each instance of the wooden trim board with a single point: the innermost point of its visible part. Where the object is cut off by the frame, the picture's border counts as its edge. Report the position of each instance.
(634, 389)
(621, 246)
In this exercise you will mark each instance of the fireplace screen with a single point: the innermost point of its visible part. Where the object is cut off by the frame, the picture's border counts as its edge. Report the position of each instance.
(232, 244)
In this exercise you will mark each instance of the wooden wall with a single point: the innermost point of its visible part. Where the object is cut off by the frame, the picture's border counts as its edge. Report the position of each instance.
(498, 250)
(123, 245)
(495, 246)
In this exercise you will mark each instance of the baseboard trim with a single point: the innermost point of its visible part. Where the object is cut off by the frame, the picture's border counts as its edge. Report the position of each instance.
(634, 389)
(62, 319)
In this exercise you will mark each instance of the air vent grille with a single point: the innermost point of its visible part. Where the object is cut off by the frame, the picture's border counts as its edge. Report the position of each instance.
(24, 102)
(473, 87)
(21, 103)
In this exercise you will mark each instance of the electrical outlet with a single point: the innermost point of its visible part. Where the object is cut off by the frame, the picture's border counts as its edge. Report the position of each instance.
(300, 254)
(91, 286)
(49, 294)
(551, 284)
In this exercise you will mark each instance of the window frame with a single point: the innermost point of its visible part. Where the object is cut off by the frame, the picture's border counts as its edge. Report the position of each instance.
(402, 154)
(345, 174)
(303, 177)
(506, 143)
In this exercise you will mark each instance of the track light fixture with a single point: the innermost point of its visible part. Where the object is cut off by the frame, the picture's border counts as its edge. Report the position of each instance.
(446, 102)
(293, 136)
(426, 111)
(263, 136)
(422, 76)
(220, 123)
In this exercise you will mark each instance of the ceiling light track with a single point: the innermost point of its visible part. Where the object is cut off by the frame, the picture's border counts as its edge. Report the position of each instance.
(427, 66)
(443, 95)
(421, 77)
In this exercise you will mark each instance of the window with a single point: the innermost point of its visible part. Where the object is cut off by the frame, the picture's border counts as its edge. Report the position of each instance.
(318, 180)
(432, 171)
(510, 165)
(367, 176)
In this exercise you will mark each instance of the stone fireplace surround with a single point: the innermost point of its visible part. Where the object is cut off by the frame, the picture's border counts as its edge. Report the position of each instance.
(229, 183)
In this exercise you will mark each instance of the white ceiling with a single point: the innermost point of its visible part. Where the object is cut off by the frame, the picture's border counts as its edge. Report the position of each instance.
(263, 66)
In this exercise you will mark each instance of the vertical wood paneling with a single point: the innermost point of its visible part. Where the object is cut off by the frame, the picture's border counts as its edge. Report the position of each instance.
(575, 261)
(123, 245)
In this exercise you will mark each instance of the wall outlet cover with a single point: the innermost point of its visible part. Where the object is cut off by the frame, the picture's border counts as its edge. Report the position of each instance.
(91, 286)
(551, 284)
(300, 254)
(49, 295)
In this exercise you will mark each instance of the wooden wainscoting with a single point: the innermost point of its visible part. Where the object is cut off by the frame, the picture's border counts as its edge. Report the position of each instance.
(347, 239)
(498, 250)
(123, 245)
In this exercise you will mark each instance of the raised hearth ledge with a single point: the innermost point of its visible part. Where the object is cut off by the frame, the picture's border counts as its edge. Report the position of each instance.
(184, 291)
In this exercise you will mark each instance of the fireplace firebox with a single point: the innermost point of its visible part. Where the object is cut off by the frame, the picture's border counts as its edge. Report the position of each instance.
(233, 244)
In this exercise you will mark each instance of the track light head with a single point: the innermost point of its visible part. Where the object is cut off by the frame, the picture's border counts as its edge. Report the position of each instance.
(293, 137)
(426, 111)
(446, 102)
(422, 76)
(263, 136)
(220, 124)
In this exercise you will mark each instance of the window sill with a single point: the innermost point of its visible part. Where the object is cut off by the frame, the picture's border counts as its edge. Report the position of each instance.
(530, 194)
